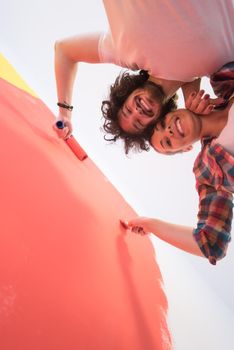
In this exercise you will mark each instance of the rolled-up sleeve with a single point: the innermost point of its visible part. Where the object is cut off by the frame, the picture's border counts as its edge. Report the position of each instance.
(213, 231)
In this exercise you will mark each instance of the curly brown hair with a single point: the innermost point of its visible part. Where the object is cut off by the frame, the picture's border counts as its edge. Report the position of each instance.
(123, 86)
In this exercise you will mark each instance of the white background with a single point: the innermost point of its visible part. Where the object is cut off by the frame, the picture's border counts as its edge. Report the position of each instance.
(200, 296)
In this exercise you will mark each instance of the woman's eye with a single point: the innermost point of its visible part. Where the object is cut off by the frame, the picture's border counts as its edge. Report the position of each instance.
(139, 126)
(139, 123)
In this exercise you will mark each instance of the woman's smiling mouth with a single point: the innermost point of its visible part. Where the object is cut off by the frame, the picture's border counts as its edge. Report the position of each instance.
(144, 106)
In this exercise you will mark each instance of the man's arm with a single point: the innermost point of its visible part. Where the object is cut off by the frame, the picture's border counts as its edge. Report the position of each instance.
(176, 235)
(68, 53)
(212, 235)
(213, 231)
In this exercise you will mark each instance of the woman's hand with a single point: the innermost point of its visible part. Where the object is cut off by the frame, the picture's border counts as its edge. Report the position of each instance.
(201, 103)
(139, 225)
(68, 53)
(66, 131)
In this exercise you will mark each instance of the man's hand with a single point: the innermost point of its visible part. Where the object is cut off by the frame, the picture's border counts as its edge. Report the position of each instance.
(201, 103)
(138, 225)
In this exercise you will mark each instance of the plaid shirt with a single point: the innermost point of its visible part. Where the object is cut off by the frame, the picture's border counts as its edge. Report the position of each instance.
(214, 172)
(222, 81)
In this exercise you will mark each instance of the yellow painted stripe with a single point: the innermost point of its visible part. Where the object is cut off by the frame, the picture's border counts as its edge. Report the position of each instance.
(8, 72)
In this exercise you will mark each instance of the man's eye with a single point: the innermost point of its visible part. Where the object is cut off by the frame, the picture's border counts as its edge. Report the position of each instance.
(168, 142)
(158, 125)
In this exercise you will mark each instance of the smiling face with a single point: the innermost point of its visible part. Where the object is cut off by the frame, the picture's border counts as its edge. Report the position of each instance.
(141, 108)
(178, 131)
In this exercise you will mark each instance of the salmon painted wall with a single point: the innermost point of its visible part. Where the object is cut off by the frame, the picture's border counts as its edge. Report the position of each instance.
(200, 298)
(70, 276)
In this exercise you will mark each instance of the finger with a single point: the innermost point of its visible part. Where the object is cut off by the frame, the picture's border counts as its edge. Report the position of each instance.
(202, 105)
(193, 100)
(208, 110)
(124, 224)
(207, 104)
(67, 135)
(138, 230)
(135, 229)
(189, 100)
(67, 130)
(142, 232)
(197, 100)
(64, 133)
(59, 132)
(216, 101)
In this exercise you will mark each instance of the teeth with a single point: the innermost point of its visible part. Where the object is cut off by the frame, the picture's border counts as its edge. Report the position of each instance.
(145, 105)
(178, 125)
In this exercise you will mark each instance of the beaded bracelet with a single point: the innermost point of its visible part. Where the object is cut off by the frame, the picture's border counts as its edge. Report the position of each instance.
(65, 105)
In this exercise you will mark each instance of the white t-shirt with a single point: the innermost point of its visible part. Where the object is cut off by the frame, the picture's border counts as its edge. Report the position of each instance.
(172, 39)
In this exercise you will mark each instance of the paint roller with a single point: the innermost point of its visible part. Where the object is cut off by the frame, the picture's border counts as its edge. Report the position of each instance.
(72, 143)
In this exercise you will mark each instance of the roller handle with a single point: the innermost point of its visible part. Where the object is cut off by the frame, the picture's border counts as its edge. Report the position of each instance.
(72, 143)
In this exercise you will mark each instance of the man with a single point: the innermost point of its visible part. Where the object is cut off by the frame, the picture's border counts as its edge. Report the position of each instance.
(213, 169)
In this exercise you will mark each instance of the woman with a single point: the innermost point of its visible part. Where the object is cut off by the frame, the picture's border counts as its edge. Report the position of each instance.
(171, 40)
(214, 172)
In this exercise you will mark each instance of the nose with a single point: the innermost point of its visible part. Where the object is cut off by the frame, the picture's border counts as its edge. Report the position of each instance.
(138, 110)
(139, 116)
(169, 130)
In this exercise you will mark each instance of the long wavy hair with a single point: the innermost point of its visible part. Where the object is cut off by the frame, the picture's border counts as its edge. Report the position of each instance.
(123, 86)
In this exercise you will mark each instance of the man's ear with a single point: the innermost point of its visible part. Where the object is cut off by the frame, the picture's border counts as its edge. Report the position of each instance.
(188, 148)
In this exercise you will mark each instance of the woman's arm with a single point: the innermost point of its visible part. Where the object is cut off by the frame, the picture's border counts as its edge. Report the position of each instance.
(190, 87)
(68, 53)
(196, 101)
(176, 235)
